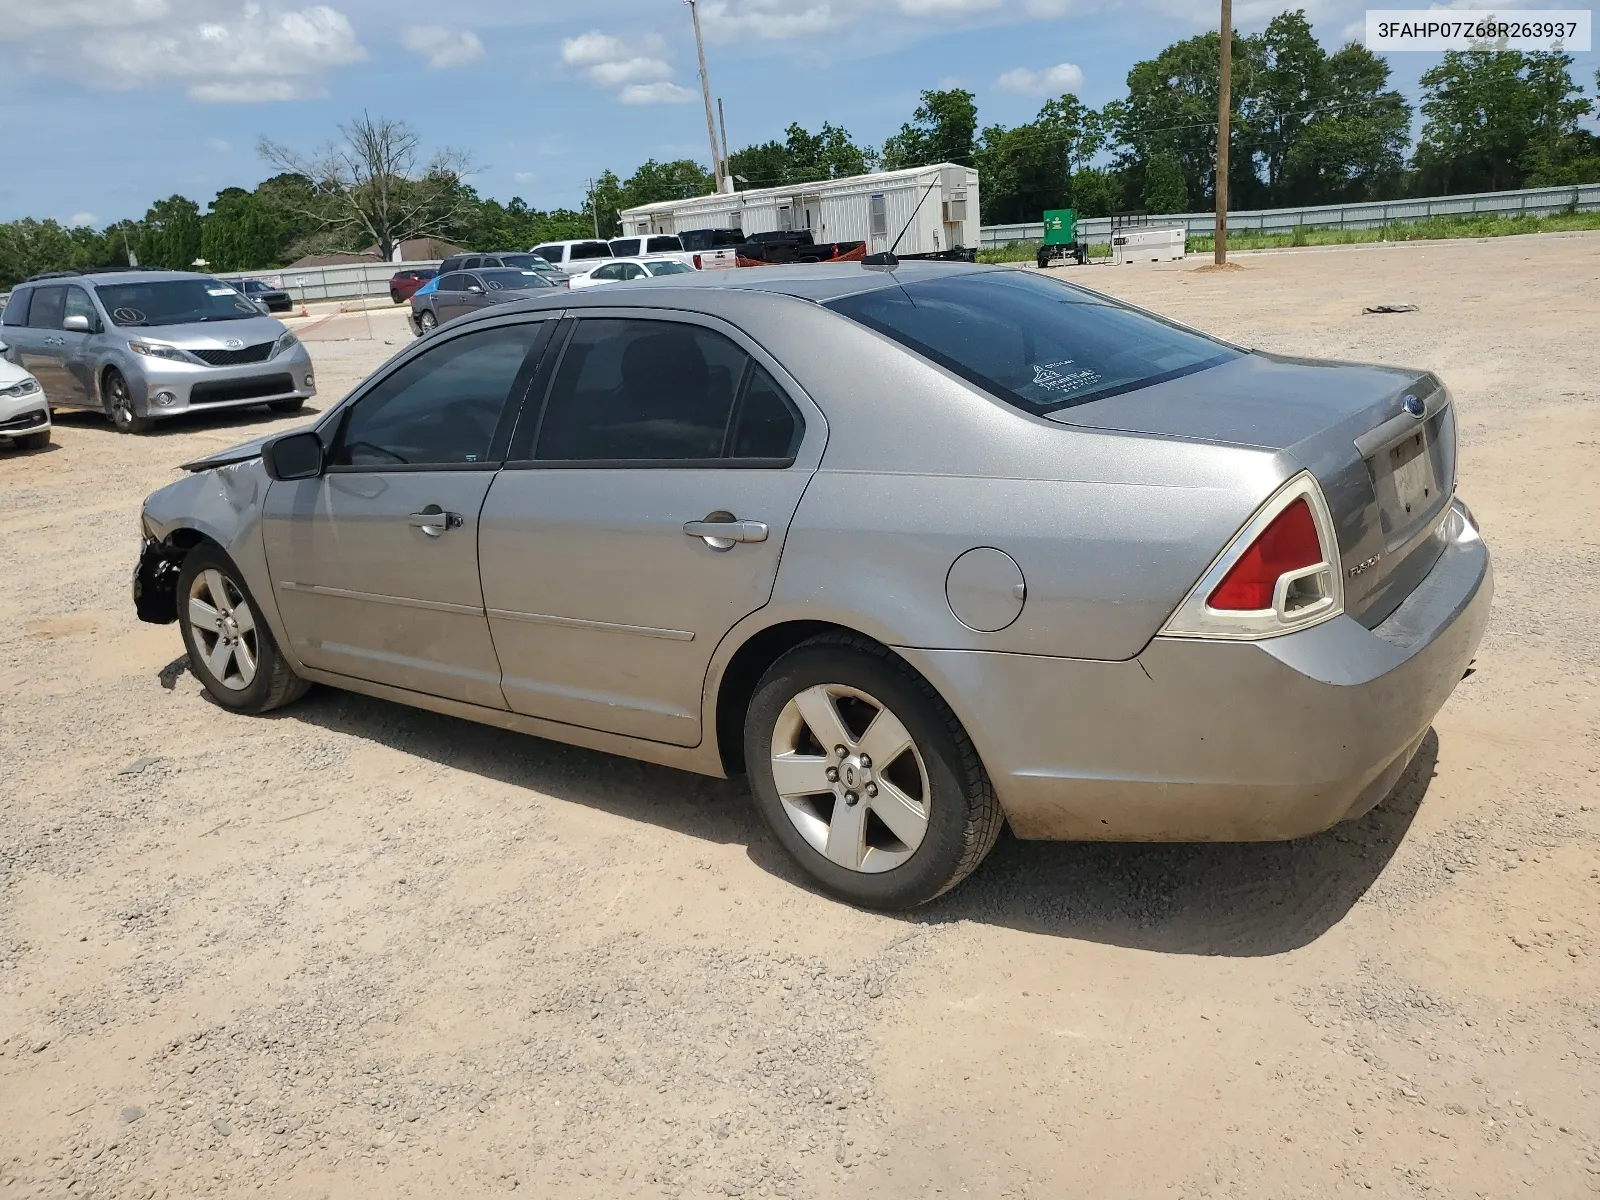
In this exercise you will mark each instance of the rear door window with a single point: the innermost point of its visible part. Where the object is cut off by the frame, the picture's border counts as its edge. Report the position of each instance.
(664, 245)
(624, 246)
(49, 306)
(592, 250)
(1034, 342)
(551, 254)
(17, 308)
(454, 282)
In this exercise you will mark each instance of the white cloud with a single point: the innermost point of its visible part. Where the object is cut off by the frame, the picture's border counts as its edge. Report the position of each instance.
(525, 176)
(655, 93)
(776, 20)
(1051, 81)
(220, 145)
(640, 70)
(443, 48)
(230, 52)
(82, 220)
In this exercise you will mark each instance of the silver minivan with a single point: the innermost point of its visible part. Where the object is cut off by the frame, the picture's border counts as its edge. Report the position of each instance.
(141, 346)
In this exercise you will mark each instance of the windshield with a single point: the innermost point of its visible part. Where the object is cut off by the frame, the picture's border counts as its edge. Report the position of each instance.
(668, 268)
(175, 302)
(1035, 342)
(510, 280)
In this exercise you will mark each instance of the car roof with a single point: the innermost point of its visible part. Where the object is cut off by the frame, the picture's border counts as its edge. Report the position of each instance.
(144, 277)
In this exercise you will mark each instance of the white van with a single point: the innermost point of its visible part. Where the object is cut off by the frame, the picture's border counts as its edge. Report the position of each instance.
(564, 254)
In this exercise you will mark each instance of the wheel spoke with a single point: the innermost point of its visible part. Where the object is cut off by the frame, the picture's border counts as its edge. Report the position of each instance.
(244, 618)
(800, 775)
(847, 835)
(219, 591)
(203, 616)
(244, 660)
(218, 658)
(822, 716)
(902, 814)
(885, 740)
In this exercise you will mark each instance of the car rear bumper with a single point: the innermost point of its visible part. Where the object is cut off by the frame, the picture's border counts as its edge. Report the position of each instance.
(1198, 740)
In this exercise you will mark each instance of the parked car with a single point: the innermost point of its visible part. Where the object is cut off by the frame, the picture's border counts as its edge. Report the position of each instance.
(795, 246)
(273, 299)
(523, 260)
(142, 346)
(655, 245)
(622, 270)
(24, 409)
(404, 284)
(461, 292)
(713, 249)
(565, 254)
(922, 553)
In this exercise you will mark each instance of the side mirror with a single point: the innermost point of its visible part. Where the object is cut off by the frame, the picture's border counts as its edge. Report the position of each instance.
(293, 456)
(474, 290)
(76, 323)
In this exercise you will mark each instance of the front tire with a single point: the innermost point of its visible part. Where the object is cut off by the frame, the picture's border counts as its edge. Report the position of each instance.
(119, 405)
(287, 406)
(231, 651)
(905, 812)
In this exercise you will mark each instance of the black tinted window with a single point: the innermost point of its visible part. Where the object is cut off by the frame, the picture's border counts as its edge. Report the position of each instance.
(442, 407)
(17, 308)
(624, 246)
(456, 282)
(1033, 341)
(591, 250)
(508, 279)
(451, 264)
(49, 306)
(642, 391)
(473, 263)
(766, 425)
(663, 245)
(550, 254)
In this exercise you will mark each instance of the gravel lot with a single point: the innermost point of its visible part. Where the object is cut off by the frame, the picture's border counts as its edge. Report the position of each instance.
(353, 949)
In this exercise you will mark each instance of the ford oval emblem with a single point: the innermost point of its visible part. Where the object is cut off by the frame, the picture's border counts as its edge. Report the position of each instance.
(1415, 406)
(237, 344)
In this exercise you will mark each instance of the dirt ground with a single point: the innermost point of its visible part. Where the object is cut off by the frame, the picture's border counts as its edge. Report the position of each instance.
(357, 950)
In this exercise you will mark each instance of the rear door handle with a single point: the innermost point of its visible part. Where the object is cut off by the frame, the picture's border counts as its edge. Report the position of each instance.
(435, 522)
(724, 535)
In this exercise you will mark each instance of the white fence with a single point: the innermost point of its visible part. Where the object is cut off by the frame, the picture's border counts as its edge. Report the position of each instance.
(1535, 202)
(348, 281)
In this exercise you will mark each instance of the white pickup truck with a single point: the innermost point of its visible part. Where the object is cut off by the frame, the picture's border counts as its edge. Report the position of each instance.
(713, 249)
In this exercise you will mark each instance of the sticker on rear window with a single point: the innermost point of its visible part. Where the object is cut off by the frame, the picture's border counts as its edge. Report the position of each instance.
(1063, 376)
(221, 291)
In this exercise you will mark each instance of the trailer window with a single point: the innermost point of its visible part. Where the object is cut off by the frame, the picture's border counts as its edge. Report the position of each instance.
(1034, 342)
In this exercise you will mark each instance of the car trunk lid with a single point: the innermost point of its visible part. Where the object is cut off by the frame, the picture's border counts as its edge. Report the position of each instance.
(1380, 441)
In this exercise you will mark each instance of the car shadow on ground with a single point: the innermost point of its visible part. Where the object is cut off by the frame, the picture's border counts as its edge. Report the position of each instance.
(1228, 898)
(191, 421)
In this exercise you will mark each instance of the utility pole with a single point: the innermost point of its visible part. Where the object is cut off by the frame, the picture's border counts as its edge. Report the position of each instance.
(705, 87)
(1219, 242)
(594, 207)
(722, 123)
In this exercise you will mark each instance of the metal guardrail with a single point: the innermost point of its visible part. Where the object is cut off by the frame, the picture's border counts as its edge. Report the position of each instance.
(347, 281)
(1535, 202)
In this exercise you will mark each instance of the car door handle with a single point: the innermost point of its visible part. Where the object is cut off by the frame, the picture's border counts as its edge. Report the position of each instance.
(435, 522)
(724, 535)
(55, 341)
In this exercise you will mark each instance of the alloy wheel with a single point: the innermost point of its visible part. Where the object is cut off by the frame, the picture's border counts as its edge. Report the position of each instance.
(224, 629)
(851, 778)
(428, 321)
(119, 401)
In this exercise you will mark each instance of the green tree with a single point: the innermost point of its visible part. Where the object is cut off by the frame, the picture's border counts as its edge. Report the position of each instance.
(1496, 117)
(1028, 169)
(941, 130)
(240, 233)
(829, 154)
(171, 234)
(1354, 149)
(1096, 191)
(1164, 189)
(765, 165)
(603, 202)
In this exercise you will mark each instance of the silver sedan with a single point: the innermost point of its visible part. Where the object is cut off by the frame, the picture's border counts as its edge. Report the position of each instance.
(923, 551)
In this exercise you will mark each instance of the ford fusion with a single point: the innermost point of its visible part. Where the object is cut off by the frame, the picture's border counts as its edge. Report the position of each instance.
(922, 551)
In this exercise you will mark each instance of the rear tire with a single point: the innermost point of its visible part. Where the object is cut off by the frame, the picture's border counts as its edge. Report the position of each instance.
(427, 321)
(865, 834)
(396, 297)
(118, 398)
(287, 406)
(231, 650)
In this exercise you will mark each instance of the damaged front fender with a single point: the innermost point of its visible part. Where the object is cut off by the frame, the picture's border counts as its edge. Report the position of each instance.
(155, 583)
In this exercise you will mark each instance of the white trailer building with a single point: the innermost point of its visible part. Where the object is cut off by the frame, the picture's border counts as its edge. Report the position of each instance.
(937, 206)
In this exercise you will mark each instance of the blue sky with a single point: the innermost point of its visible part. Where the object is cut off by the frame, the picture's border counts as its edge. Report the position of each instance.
(114, 103)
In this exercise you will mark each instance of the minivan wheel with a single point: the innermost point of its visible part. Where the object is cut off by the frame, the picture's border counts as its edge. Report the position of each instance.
(231, 651)
(119, 405)
(865, 776)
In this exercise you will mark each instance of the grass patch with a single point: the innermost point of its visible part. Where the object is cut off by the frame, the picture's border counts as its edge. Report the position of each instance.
(1485, 225)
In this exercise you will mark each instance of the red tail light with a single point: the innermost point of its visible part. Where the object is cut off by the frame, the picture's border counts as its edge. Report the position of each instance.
(697, 266)
(1288, 544)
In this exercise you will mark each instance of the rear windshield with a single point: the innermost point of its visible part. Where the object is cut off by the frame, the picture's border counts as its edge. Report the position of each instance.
(524, 262)
(174, 302)
(1034, 342)
(498, 278)
(668, 268)
(591, 250)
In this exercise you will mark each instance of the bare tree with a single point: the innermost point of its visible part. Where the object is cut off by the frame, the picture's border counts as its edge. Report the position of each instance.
(372, 182)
